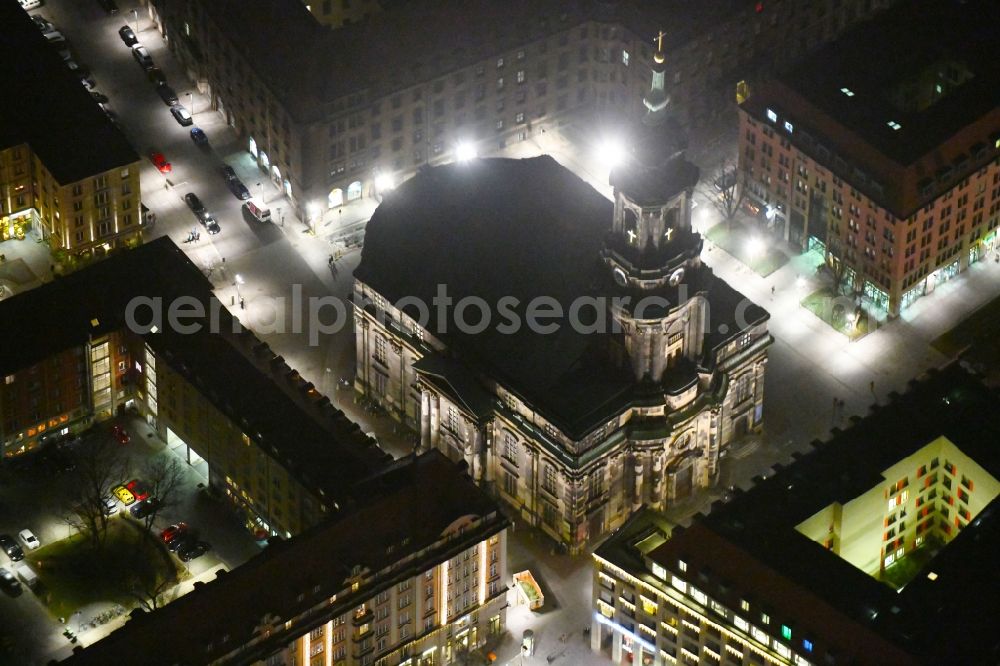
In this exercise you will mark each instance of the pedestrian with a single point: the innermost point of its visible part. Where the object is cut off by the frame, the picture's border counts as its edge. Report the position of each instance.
(243, 303)
(772, 291)
(329, 260)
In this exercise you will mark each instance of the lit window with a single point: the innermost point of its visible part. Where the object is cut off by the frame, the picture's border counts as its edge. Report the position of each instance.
(807, 645)
(741, 623)
(894, 125)
(682, 565)
(625, 58)
(759, 635)
(744, 604)
(772, 116)
(698, 596)
(788, 127)
(786, 632)
(659, 571)
(9, 379)
(847, 91)
(765, 618)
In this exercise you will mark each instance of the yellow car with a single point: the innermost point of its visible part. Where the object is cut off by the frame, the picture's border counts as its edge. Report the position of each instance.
(124, 495)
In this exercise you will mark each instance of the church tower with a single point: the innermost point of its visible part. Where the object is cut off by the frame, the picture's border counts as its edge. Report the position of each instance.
(651, 251)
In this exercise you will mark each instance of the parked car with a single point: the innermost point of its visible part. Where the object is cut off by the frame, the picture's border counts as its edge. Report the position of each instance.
(237, 187)
(42, 24)
(54, 36)
(137, 489)
(211, 226)
(128, 35)
(28, 539)
(142, 509)
(119, 433)
(10, 547)
(167, 94)
(181, 115)
(198, 136)
(192, 550)
(195, 204)
(141, 55)
(160, 162)
(156, 76)
(110, 505)
(124, 495)
(10, 584)
(98, 97)
(178, 542)
(172, 532)
(110, 6)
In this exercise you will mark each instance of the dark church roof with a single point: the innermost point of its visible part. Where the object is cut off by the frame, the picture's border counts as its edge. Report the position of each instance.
(522, 229)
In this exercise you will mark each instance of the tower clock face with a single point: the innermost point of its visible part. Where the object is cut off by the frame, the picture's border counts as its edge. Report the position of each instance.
(676, 277)
(620, 278)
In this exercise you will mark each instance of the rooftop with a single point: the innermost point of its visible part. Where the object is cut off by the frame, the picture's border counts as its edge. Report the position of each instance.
(54, 115)
(752, 542)
(236, 372)
(295, 62)
(521, 229)
(909, 79)
(414, 504)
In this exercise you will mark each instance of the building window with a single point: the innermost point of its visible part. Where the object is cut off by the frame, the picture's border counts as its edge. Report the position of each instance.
(510, 484)
(625, 58)
(682, 565)
(595, 485)
(379, 354)
(510, 448)
(451, 420)
(549, 479)
(9, 379)
(772, 116)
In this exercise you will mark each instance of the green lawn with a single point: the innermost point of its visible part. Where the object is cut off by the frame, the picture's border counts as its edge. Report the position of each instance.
(74, 575)
(735, 240)
(824, 305)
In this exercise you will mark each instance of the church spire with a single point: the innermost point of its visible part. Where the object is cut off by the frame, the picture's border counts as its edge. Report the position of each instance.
(656, 100)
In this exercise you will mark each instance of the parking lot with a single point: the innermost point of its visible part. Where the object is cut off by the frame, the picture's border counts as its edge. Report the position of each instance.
(34, 494)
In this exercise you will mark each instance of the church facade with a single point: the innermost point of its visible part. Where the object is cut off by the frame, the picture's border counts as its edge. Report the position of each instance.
(577, 426)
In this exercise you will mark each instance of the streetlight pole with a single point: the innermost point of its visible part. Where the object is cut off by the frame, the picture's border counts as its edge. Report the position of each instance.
(238, 280)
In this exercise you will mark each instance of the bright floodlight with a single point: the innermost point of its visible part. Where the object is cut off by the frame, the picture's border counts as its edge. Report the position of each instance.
(755, 246)
(384, 182)
(611, 151)
(313, 209)
(465, 151)
(239, 279)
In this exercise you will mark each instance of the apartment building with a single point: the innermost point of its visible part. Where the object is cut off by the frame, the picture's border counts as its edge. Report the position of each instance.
(257, 431)
(68, 176)
(576, 423)
(874, 548)
(413, 573)
(334, 115)
(891, 171)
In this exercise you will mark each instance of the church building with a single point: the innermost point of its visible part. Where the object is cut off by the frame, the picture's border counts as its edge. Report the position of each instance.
(574, 351)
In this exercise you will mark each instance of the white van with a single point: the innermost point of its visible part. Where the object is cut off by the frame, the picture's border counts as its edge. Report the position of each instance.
(27, 575)
(258, 209)
(30, 4)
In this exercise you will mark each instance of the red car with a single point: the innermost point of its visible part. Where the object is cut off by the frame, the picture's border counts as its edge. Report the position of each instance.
(120, 434)
(137, 489)
(173, 532)
(160, 162)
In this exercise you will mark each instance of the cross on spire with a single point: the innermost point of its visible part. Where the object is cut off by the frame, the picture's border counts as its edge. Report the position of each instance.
(659, 41)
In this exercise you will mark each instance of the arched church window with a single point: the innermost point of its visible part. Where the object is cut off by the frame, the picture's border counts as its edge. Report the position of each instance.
(630, 225)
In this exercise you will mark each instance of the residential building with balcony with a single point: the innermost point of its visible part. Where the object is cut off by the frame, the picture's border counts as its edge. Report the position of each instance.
(877, 547)
(892, 170)
(68, 176)
(326, 112)
(412, 573)
(91, 345)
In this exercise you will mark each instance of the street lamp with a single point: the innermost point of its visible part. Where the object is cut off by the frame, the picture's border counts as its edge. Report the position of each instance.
(611, 152)
(238, 280)
(135, 15)
(755, 246)
(313, 211)
(465, 151)
(384, 182)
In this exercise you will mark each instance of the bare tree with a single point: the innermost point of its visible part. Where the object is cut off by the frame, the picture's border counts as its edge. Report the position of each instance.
(101, 464)
(150, 590)
(731, 192)
(164, 477)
